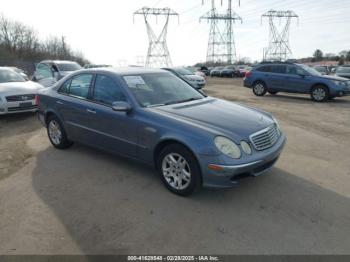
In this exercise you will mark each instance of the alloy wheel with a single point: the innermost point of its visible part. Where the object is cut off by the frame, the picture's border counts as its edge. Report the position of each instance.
(176, 171)
(55, 132)
(319, 94)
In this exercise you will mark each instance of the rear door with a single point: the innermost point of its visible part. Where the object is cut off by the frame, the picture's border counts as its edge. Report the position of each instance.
(73, 105)
(278, 77)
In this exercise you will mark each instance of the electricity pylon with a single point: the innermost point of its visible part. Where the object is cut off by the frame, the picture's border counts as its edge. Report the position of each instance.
(279, 46)
(158, 53)
(221, 44)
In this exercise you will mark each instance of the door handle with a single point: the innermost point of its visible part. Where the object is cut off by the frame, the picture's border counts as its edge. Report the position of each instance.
(59, 102)
(91, 111)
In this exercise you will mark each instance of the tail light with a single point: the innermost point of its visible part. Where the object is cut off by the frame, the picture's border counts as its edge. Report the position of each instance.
(37, 100)
(248, 74)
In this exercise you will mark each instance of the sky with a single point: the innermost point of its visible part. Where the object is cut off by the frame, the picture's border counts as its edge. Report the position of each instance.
(106, 33)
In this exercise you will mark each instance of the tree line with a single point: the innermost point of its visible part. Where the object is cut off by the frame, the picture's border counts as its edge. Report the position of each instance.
(341, 58)
(21, 42)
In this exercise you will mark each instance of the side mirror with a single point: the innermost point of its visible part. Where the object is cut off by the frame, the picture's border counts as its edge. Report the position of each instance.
(121, 106)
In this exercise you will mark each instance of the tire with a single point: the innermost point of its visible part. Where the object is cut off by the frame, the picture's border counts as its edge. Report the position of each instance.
(272, 92)
(179, 170)
(259, 88)
(57, 134)
(319, 93)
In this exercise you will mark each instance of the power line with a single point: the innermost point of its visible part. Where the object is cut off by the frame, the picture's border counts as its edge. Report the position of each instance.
(221, 44)
(158, 53)
(279, 47)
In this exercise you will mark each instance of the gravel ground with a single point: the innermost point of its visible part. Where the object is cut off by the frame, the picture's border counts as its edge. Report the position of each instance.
(84, 201)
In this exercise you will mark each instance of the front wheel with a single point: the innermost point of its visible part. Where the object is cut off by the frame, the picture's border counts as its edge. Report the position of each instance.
(319, 93)
(57, 134)
(179, 170)
(259, 89)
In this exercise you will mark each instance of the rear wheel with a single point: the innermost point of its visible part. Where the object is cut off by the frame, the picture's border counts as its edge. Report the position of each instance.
(319, 93)
(179, 170)
(259, 89)
(57, 134)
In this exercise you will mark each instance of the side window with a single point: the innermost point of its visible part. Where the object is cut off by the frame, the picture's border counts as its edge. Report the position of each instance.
(279, 69)
(294, 70)
(291, 70)
(43, 71)
(64, 89)
(107, 91)
(80, 85)
(264, 69)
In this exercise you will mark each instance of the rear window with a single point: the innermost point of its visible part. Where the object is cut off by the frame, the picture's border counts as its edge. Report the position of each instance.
(278, 69)
(266, 68)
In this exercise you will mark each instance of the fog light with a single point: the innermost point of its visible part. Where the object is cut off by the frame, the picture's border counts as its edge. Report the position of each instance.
(246, 147)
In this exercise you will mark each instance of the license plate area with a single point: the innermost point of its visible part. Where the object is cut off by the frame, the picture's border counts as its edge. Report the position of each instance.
(26, 104)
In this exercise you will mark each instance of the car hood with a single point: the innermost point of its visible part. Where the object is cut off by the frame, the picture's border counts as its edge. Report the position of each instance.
(193, 77)
(19, 87)
(220, 117)
(332, 78)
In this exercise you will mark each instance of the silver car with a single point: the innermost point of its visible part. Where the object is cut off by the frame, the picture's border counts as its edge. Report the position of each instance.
(49, 72)
(16, 94)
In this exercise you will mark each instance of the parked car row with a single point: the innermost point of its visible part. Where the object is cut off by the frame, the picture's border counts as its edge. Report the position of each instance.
(229, 71)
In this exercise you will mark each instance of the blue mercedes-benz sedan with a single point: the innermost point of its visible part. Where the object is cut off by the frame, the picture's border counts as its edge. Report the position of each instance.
(155, 117)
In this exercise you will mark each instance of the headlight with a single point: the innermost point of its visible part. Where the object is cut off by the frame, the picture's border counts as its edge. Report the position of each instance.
(340, 83)
(227, 147)
(246, 147)
(276, 122)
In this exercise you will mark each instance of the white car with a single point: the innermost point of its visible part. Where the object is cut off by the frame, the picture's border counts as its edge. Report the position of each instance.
(16, 94)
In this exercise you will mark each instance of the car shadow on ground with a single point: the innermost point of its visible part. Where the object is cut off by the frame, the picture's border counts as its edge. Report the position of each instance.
(111, 205)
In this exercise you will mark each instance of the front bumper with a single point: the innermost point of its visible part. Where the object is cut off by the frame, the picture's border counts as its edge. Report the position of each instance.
(228, 175)
(17, 107)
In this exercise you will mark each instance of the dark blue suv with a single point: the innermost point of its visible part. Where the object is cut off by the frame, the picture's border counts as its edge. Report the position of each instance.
(295, 78)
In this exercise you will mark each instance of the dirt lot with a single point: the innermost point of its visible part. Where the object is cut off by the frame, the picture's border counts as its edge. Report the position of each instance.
(83, 201)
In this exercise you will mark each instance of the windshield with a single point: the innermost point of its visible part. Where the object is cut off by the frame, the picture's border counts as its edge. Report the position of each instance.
(8, 75)
(183, 71)
(158, 89)
(310, 70)
(69, 67)
(344, 70)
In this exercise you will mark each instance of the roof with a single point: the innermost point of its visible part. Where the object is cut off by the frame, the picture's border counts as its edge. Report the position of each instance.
(57, 62)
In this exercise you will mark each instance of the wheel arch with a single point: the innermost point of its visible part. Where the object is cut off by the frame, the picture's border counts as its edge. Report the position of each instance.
(319, 84)
(169, 141)
(259, 81)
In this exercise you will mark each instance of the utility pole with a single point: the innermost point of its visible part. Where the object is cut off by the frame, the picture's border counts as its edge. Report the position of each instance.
(279, 46)
(221, 45)
(158, 53)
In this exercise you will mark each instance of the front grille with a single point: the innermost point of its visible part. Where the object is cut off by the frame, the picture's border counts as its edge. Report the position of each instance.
(19, 98)
(265, 138)
(14, 109)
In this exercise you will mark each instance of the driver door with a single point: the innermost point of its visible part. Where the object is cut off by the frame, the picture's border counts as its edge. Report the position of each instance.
(297, 80)
(44, 75)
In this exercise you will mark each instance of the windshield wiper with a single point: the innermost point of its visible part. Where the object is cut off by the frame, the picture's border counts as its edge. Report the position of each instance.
(183, 101)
